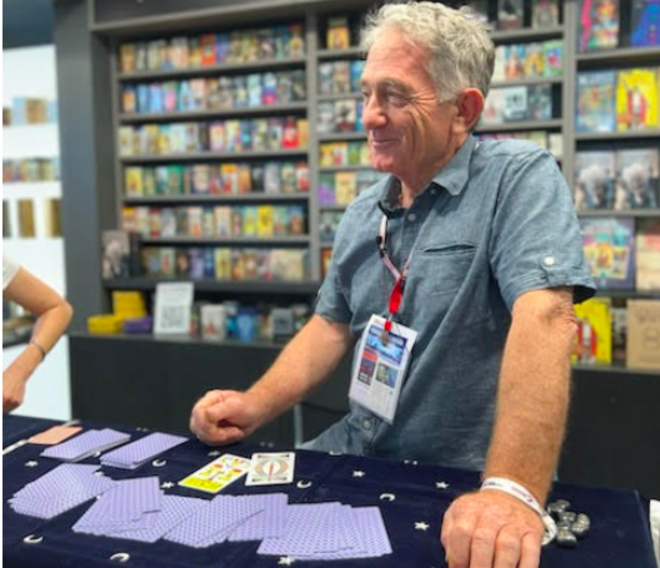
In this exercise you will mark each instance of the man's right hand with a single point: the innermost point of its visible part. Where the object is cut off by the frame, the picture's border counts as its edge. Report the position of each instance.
(225, 416)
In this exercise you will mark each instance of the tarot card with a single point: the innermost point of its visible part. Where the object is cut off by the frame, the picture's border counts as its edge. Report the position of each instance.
(271, 469)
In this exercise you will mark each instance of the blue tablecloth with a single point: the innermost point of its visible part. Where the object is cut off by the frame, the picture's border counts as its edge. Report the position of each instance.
(619, 535)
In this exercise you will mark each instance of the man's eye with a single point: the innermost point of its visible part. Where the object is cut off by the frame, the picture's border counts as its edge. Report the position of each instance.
(396, 97)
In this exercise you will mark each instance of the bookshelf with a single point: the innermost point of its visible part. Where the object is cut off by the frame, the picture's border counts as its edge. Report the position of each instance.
(315, 18)
(266, 110)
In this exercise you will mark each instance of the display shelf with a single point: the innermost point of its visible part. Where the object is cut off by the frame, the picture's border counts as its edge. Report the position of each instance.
(632, 294)
(334, 207)
(338, 97)
(618, 57)
(247, 67)
(338, 136)
(330, 54)
(619, 213)
(327, 169)
(208, 285)
(214, 156)
(183, 339)
(244, 241)
(614, 369)
(218, 198)
(527, 81)
(527, 34)
(552, 124)
(614, 136)
(31, 189)
(298, 107)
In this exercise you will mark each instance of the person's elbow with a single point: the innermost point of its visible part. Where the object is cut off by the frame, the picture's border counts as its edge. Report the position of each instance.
(67, 313)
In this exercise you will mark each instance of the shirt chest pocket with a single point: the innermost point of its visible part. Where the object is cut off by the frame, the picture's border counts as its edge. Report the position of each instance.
(441, 269)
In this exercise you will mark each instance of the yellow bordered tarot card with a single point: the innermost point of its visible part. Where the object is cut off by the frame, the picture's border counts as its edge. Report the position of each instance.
(215, 476)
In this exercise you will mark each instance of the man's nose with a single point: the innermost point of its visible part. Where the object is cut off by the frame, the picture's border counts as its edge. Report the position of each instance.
(373, 114)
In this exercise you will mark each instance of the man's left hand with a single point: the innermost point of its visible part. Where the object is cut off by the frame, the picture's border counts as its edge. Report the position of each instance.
(491, 529)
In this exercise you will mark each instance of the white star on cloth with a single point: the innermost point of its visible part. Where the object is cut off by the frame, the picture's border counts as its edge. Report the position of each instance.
(214, 453)
(441, 485)
(31, 463)
(422, 526)
(286, 561)
(358, 473)
(166, 485)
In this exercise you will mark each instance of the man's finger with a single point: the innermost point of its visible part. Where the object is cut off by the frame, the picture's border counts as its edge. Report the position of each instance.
(482, 548)
(507, 548)
(459, 540)
(530, 554)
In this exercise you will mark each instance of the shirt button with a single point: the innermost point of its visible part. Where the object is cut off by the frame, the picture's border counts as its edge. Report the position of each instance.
(549, 260)
(433, 191)
(367, 424)
(412, 217)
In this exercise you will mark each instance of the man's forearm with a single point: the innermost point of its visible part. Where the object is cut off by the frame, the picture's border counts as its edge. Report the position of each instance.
(533, 399)
(305, 363)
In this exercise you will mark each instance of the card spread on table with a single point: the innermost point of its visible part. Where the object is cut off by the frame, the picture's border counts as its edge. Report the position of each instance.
(218, 474)
(130, 505)
(59, 490)
(54, 435)
(132, 456)
(86, 444)
(271, 468)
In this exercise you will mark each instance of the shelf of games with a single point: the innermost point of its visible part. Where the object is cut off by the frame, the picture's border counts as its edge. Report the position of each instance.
(246, 145)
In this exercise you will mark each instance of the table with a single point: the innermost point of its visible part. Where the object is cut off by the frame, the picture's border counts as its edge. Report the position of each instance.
(421, 493)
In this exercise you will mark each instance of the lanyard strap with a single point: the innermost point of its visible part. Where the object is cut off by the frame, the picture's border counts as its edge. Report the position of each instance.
(396, 294)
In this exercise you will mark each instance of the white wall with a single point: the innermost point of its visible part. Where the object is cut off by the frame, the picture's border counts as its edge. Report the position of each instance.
(31, 72)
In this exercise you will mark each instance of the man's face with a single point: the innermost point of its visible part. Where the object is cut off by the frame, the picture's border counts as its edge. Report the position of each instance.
(408, 130)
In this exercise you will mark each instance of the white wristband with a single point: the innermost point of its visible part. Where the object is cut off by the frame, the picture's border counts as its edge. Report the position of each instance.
(519, 492)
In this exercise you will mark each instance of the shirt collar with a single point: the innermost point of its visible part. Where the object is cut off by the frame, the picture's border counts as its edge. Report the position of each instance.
(453, 177)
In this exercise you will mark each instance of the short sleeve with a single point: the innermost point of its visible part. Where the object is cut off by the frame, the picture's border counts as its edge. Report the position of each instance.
(536, 242)
(331, 303)
(9, 269)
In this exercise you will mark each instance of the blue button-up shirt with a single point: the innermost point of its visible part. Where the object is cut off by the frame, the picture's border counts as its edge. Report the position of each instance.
(496, 221)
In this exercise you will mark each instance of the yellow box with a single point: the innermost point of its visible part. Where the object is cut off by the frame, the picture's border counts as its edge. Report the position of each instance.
(128, 304)
(105, 323)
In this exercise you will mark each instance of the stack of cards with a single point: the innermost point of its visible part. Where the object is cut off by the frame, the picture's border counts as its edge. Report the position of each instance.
(61, 489)
(54, 435)
(139, 452)
(330, 531)
(130, 505)
(86, 445)
(215, 522)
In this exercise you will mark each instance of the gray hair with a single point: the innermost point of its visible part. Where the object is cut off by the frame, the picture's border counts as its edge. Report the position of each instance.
(462, 53)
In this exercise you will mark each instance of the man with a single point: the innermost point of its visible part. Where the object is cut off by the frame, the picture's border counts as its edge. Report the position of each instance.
(497, 264)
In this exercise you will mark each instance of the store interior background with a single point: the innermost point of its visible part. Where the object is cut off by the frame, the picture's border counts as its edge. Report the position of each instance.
(151, 382)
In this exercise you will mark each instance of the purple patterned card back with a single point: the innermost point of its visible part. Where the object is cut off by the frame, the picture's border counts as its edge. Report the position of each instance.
(271, 522)
(372, 535)
(124, 505)
(174, 511)
(303, 529)
(64, 478)
(222, 512)
(135, 454)
(86, 444)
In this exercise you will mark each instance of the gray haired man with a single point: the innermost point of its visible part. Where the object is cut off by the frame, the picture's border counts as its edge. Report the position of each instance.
(486, 241)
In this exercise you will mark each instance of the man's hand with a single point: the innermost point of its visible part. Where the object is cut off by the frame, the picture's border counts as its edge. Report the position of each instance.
(224, 416)
(13, 390)
(490, 529)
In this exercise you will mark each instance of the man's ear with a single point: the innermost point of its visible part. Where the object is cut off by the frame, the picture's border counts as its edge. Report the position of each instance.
(469, 104)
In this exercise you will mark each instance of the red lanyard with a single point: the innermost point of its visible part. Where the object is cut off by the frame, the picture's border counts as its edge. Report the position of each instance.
(400, 277)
